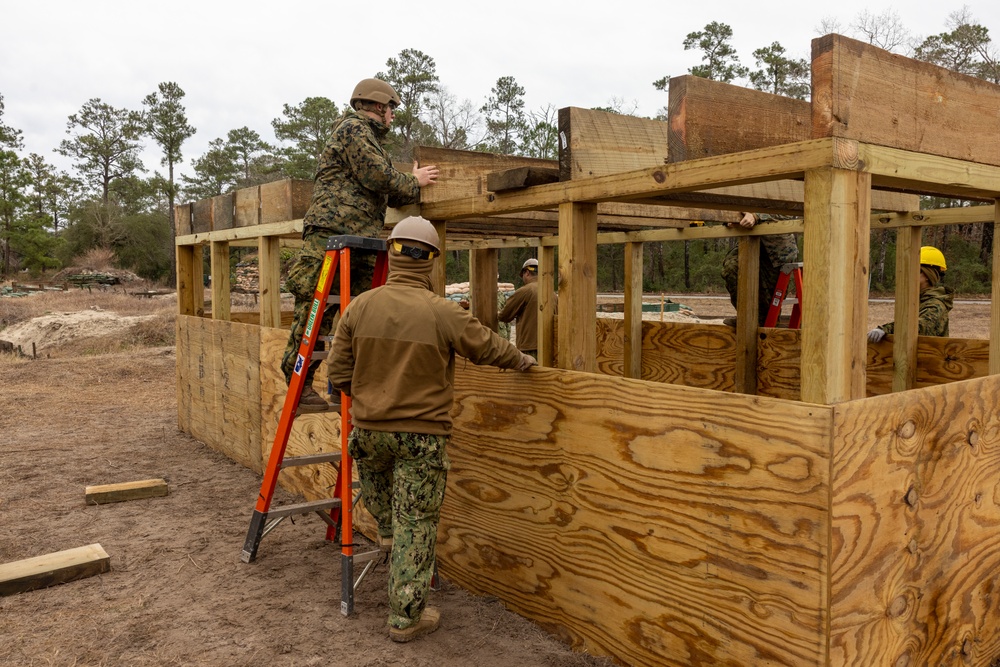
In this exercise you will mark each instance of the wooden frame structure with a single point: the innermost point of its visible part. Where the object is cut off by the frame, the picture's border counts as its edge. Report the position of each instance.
(686, 494)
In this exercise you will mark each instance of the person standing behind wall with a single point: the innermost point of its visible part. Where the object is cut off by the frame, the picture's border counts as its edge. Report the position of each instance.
(936, 300)
(776, 250)
(355, 182)
(522, 308)
(394, 355)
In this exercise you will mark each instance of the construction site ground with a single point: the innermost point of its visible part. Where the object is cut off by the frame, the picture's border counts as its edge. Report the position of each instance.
(98, 406)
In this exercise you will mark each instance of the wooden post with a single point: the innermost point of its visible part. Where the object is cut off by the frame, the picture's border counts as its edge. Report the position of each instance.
(633, 311)
(904, 344)
(220, 280)
(186, 285)
(995, 303)
(269, 280)
(835, 272)
(439, 275)
(483, 286)
(198, 273)
(747, 314)
(578, 287)
(546, 304)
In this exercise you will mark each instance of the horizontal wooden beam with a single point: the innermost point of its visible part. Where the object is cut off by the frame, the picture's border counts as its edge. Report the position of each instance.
(54, 568)
(766, 164)
(926, 174)
(114, 493)
(288, 227)
(520, 177)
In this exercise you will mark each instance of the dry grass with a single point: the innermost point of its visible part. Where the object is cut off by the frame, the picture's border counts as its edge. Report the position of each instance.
(14, 311)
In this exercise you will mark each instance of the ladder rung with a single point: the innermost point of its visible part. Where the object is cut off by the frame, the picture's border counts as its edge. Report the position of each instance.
(303, 508)
(321, 354)
(310, 459)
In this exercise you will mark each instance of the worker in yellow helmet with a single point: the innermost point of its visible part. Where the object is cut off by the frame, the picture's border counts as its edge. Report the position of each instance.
(936, 300)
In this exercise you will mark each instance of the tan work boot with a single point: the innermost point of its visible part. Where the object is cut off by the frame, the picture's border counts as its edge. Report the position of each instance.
(428, 623)
(385, 543)
(312, 402)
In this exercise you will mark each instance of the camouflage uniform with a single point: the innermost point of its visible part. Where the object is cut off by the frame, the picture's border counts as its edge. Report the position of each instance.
(355, 181)
(935, 304)
(403, 479)
(775, 251)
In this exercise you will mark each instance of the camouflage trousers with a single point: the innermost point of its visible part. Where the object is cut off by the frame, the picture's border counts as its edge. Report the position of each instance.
(784, 250)
(403, 479)
(301, 282)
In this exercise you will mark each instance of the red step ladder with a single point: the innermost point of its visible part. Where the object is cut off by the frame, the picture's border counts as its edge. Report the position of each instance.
(789, 271)
(337, 511)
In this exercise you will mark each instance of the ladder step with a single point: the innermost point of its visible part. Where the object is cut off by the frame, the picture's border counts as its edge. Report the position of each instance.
(303, 508)
(320, 354)
(310, 459)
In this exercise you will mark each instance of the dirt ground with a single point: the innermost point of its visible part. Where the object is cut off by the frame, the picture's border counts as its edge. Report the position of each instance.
(85, 413)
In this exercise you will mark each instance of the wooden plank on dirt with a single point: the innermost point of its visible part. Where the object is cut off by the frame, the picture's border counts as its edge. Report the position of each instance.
(914, 517)
(709, 118)
(868, 94)
(51, 569)
(615, 511)
(122, 491)
(520, 177)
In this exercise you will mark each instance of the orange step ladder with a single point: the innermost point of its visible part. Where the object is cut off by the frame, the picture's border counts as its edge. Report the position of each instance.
(789, 272)
(337, 511)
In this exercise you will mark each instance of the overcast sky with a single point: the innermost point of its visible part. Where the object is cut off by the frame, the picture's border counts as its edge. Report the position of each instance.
(240, 62)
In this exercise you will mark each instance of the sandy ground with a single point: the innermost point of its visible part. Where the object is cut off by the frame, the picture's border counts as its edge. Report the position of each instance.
(178, 593)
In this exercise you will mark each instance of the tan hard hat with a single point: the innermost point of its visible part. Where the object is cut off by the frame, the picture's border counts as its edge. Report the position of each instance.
(415, 228)
(530, 265)
(375, 90)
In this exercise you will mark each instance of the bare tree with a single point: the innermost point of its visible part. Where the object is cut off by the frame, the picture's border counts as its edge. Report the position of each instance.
(884, 30)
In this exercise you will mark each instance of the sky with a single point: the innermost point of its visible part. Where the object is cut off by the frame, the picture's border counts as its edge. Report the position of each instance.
(239, 63)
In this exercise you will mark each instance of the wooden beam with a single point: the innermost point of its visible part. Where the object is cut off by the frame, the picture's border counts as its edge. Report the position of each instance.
(546, 305)
(116, 493)
(597, 143)
(182, 219)
(907, 307)
(963, 215)
(186, 287)
(714, 118)
(222, 211)
(835, 308)
(922, 173)
(55, 568)
(283, 200)
(520, 177)
(766, 164)
(246, 207)
(483, 268)
(868, 94)
(221, 302)
(269, 280)
(747, 316)
(288, 227)
(439, 276)
(633, 311)
(462, 172)
(577, 287)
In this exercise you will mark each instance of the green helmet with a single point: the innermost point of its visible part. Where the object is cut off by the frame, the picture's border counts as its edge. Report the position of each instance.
(415, 228)
(375, 90)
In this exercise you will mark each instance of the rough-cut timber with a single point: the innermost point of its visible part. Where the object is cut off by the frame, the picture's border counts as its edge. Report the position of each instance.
(520, 177)
(916, 528)
(597, 143)
(201, 216)
(464, 172)
(223, 210)
(863, 92)
(714, 118)
(284, 200)
(116, 493)
(182, 219)
(247, 205)
(51, 569)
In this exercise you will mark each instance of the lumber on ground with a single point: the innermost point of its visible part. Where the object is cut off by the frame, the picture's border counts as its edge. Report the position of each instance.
(55, 568)
(864, 93)
(115, 493)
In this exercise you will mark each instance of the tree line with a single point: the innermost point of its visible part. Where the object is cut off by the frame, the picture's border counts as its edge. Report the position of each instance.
(108, 200)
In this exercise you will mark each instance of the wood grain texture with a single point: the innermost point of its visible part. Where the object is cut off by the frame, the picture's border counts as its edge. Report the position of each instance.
(577, 287)
(122, 491)
(201, 216)
(223, 211)
(597, 143)
(247, 207)
(182, 219)
(862, 92)
(465, 172)
(283, 200)
(221, 272)
(916, 528)
(51, 569)
(520, 177)
(661, 525)
(219, 386)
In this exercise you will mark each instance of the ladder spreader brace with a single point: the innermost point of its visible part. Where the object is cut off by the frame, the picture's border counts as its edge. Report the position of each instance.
(337, 512)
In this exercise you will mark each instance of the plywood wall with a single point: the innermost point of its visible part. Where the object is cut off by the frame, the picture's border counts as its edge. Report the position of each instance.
(916, 528)
(658, 524)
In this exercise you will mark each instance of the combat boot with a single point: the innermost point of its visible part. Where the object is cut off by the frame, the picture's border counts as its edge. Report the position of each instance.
(428, 623)
(312, 402)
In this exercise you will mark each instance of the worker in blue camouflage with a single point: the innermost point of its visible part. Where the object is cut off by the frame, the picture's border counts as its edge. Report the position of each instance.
(401, 409)
(355, 182)
(776, 250)
(936, 300)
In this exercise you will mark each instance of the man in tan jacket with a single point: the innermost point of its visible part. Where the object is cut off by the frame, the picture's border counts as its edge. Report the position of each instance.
(394, 355)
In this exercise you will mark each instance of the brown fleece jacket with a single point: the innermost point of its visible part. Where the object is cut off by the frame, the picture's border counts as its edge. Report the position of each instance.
(394, 352)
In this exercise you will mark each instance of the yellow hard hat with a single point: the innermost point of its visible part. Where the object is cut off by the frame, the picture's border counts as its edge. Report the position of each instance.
(931, 256)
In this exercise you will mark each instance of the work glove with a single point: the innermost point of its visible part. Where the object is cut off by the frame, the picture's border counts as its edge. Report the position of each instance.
(875, 335)
(527, 361)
